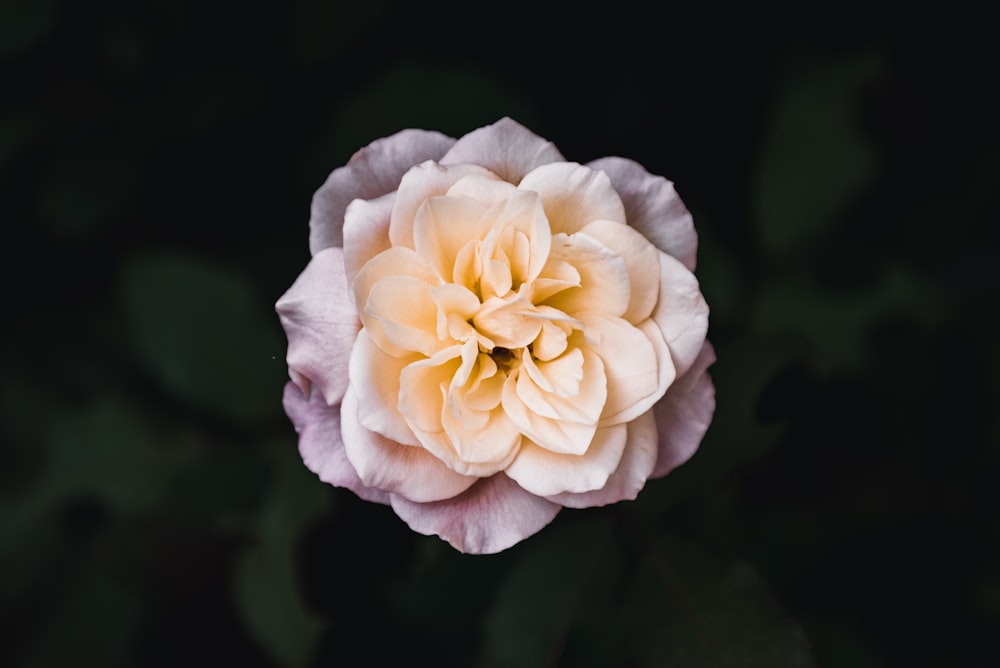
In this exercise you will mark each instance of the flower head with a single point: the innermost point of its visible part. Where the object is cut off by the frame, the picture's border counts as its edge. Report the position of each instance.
(487, 333)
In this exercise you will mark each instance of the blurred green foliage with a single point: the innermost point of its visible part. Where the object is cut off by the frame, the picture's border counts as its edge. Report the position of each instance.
(156, 165)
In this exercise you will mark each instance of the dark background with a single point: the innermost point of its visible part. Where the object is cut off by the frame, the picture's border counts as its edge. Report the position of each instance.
(156, 165)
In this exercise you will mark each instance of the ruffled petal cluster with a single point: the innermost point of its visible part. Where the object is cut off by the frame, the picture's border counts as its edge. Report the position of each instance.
(487, 333)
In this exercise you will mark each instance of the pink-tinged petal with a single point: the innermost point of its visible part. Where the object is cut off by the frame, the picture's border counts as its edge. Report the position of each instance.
(604, 280)
(406, 470)
(653, 207)
(547, 473)
(321, 444)
(366, 232)
(634, 469)
(443, 225)
(630, 364)
(642, 261)
(371, 172)
(319, 319)
(684, 413)
(422, 182)
(487, 188)
(489, 517)
(506, 148)
(574, 195)
(375, 379)
(681, 312)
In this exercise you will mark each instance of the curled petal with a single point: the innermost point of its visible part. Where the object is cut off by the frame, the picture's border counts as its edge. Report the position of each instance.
(406, 470)
(371, 172)
(558, 424)
(653, 207)
(631, 474)
(547, 473)
(506, 148)
(489, 517)
(443, 226)
(419, 184)
(321, 444)
(642, 261)
(375, 380)
(684, 413)
(407, 312)
(681, 313)
(630, 364)
(319, 319)
(604, 279)
(393, 262)
(574, 195)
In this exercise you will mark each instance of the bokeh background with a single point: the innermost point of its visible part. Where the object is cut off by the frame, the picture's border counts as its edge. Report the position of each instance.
(157, 161)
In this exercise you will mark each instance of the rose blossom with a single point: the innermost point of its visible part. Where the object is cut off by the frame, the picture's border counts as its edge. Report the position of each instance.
(487, 333)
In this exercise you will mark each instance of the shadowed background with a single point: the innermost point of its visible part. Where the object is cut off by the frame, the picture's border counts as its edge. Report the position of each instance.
(156, 167)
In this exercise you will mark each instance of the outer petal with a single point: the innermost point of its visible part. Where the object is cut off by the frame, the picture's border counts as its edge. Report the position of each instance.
(684, 413)
(366, 232)
(574, 195)
(681, 312)
(489, 517)
(506, 148)
(321, 323)
(546, 473)
(630, 477)
(321, 445)
(371, 172)
(653, 207)
(386, 465)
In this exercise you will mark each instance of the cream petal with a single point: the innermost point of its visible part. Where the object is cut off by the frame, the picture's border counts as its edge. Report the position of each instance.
(406, 309)
(396, 261)
(423, 385)
(546, 473)
(366, 232)
(375, 379)
(684, 413)
(522, 233)
(604, 279)
(561, 376)
(506, 148)
(443, 225)
(653, 208)
(321, 443)
(628, 479)
(407, 470)
(551, 341)
(642, 261)
(417, 186)
(574, 428)
(371, 172)
(509, 323)
(681, 312)
(487, 188)
(321, 323)
(630, 363)
(485, 450)
(489, 517)
(574, 195)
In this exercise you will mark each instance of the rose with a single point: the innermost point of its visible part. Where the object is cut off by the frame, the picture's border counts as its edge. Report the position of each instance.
(487, 333)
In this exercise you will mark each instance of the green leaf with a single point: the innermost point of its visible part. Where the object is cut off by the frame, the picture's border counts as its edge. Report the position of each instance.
(205, 335)
(690, 606)
(266, 585)
(815, 160)
(565, 577)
